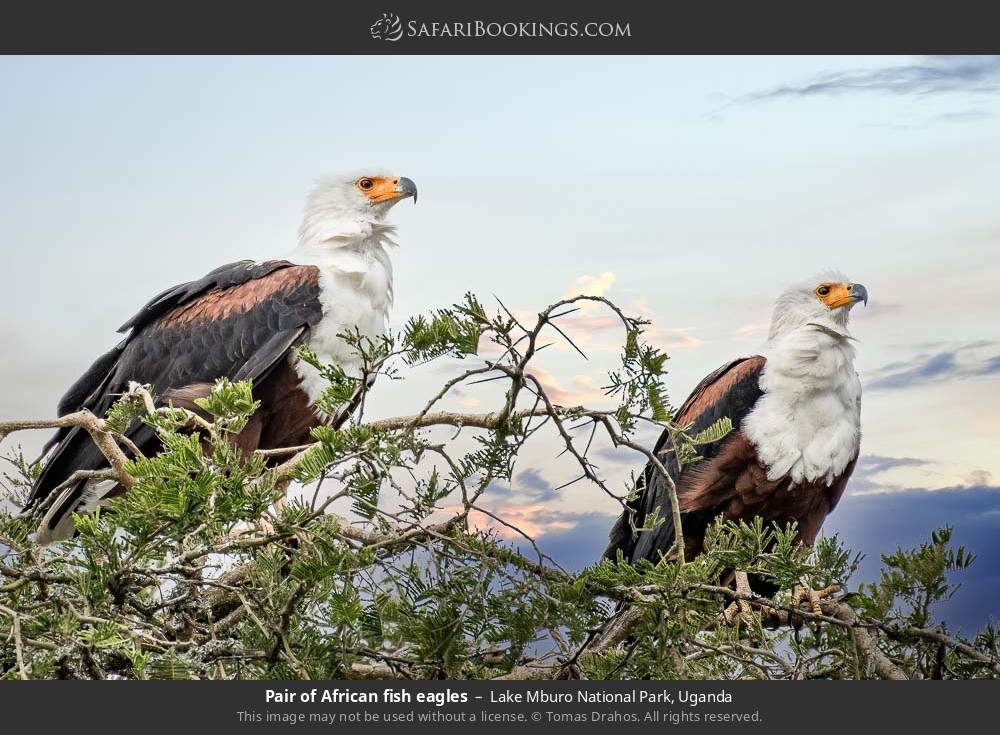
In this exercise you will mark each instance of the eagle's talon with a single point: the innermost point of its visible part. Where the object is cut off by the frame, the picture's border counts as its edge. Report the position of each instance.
(740, 609)
(802, 592)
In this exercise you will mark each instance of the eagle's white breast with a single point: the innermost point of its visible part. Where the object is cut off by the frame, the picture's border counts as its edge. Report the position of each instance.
(808, 422)
(356, 293)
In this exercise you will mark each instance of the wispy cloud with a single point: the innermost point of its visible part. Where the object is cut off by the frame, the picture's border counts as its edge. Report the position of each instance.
(979, 478)
(874, 475)
(930, 75)
(591, 285)
(872, 464)
(961, 116)
(582, 391)
(964, 361)
(532, 484)
(870, 470)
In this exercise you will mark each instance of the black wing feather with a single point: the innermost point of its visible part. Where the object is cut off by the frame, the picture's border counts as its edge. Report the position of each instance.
(82, 390)
(736, 402)
(262, 360)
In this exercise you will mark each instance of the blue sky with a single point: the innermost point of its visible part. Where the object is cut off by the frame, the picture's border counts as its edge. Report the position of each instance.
(690, 189)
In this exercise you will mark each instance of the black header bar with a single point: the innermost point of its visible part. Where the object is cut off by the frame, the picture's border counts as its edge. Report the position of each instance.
(510, 27)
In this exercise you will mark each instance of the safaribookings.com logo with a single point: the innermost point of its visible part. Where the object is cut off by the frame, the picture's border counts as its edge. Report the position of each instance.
(387, 28)
(390, 28)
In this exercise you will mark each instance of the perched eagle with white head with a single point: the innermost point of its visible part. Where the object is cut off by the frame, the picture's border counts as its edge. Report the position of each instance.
(796, 415)
(240, 322)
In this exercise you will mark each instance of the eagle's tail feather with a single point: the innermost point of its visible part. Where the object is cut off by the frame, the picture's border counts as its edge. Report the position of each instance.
(57, 524)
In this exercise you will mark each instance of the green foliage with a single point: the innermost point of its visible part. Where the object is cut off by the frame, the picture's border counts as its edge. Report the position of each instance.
(123, 412)
(715, 432)
(455, 331)
(229, 404)
(639, 382)
(195, 573)
(341, 388)
(685, 446)
(919, 578)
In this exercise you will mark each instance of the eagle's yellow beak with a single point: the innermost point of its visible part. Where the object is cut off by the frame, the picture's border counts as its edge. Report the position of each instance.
(836, 295)
(381, 189)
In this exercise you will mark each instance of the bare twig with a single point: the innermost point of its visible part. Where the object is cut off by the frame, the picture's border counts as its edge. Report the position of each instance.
(18, 640)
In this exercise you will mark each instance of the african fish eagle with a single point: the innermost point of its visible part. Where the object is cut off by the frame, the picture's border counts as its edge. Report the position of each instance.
(796, 415)
(240, 322)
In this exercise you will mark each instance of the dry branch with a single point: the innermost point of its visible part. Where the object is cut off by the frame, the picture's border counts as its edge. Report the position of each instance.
(98, 429)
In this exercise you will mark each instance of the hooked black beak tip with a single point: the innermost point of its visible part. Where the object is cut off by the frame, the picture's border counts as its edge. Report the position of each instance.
(407, 188)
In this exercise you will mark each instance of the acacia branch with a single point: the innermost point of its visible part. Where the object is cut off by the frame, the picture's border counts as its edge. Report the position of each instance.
(98, 429)
(900, 632)
(867, 644)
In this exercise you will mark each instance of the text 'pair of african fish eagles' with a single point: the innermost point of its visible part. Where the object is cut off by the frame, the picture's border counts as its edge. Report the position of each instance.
(795, 410)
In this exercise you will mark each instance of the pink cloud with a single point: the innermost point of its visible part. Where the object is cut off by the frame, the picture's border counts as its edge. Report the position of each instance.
(583, 391)
(534, 520)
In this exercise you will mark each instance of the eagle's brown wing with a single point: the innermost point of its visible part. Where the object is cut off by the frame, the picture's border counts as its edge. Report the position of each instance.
(731, 391)
(237, 322)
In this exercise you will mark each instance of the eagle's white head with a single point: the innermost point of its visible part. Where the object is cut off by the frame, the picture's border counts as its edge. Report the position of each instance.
(342, 210)
(823, 302)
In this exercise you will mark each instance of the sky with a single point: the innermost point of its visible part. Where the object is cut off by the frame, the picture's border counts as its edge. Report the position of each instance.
(691, 190)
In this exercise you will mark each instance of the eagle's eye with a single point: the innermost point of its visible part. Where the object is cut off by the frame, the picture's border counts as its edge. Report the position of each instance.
(823, 290)
(365, 184)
